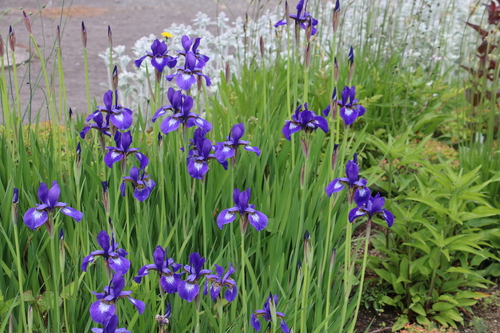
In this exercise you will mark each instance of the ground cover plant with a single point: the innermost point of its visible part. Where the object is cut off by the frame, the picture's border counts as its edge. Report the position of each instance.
(245, 195)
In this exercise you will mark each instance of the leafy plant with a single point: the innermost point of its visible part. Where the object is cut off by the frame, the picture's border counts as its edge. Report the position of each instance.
(434, 248)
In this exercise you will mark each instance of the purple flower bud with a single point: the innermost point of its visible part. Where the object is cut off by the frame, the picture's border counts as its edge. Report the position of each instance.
(27, 23)
(110, 37)
(12, 39)
(115, 79)
(261, 44)
(307, 248)
(350, 57)
(70, 112)
(84, 35)
(336, 16)
(308, 54)
(335, 155)
(228, 73)
(15, 200)
(105, 196)
(15, 196)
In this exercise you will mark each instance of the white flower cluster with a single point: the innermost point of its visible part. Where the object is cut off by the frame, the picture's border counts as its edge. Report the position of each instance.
(423, 31)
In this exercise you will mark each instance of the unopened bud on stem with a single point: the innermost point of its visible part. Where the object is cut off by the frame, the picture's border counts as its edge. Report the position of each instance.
(12, 39)
(27, 23)
(84, 35)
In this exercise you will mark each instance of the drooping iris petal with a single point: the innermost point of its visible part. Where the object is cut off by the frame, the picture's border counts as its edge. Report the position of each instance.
(254, 321)
(34, 218)
(71, 212)
(226, 216)
(119, 264)
(258, 220)
(188, 291)
(139, 305)
(121, 120)
(170, 124)
(100, 311)
(170, 283)
(334, 186)
(231, 294)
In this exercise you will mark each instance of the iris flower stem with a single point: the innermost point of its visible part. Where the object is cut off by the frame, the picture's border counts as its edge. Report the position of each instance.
(363, 269)
(157, 100)
(62, 87)
(347, 269)
(17, 97)
(327, 248)
(242, 282)
(196, 319)
(264, 99)
(306, 83)
(348, 240)
(87, 85)
(204, 217)
(5, 103)
(221, 315)
(56, 324)
(303, 312)
(47, 84)
(127, 223)
(305, 289)
(24, 326)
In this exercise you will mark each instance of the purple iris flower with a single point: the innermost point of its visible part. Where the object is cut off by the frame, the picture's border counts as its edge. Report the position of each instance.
(180, 105)
(266, 313)
(105, 307)
(305, 120)
(38, 216)
(199, 155)
(119, 116)
(122, 149)
(110, 326)
(166, 267)
(143, 184)
(229, 148)
(356, 186)
(99, 124)
(350, 109)
(189, 289)
(113, 256)
(247, 212)
(159, 56)
(370, 207)
(302, 18)
(186, 76)
(187, 43)
(221, 280)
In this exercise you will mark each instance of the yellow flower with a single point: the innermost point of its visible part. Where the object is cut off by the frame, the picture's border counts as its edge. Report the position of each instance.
(167, 34)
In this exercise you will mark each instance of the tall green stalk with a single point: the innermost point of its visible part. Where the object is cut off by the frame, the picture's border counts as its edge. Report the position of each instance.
(363, 270)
